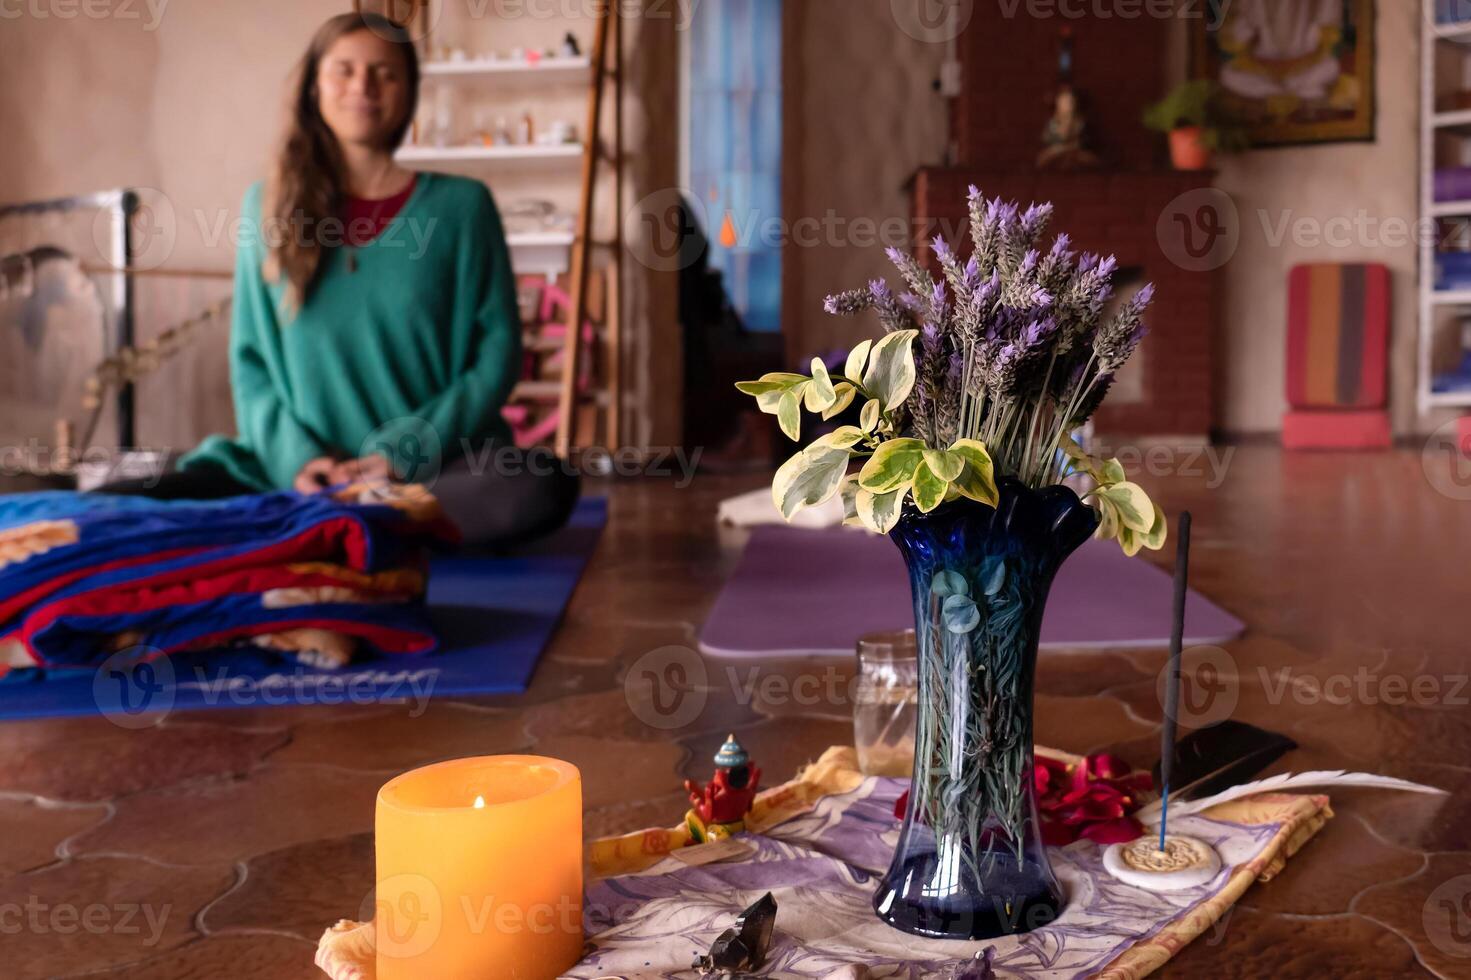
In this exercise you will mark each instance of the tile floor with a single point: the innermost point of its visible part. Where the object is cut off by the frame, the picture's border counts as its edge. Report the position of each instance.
(221, 844)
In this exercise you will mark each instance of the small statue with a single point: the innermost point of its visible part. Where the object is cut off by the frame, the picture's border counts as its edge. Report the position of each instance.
(1063, 138)
(721, 805)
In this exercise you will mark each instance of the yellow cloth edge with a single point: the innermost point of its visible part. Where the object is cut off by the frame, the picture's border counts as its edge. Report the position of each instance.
(836, 772)
(341, 955)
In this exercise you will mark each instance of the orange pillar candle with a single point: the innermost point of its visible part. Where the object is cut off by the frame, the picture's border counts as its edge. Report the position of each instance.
(480, 870)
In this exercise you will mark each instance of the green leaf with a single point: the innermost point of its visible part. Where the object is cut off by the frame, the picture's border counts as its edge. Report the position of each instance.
(944, 465)
(1158, 531)
(946, 583)
(857, 357)
(892, 465)
(890, 373)
(993, 573)
(843, 437)
(849, 491)
(1130, 540)
(789, 412)
(820, 394)
(775, 381)
(809, 478)
(1108, 519)
(869, 417)
(959, 614)
(929, 488)
(770, 401)
(1111, 472)
(845, 395)
(978, 479)
(1135, 509)
(880, 511)
(759, 387)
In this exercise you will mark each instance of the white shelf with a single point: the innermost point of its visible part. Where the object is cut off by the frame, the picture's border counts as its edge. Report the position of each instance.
(1455, 31)
(570, 68)
(1450, 399)
(541, 253)
(1459, 119)
(533, 239)
(1446, 209)
(489, 154)
(1437, 62)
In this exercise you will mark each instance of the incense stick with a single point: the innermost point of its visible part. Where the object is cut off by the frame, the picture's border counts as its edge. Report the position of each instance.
(1172, 676)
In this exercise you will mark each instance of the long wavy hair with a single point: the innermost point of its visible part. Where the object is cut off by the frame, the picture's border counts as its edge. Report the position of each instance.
(308, 185)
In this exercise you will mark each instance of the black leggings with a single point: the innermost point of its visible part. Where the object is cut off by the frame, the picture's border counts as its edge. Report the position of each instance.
(498, 496)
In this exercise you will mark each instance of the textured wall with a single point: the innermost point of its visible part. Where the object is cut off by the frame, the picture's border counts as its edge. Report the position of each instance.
(1310, 186)
(1116, 72)
(1115, 213)
(864, 119)
(190, 105)
(861, 118)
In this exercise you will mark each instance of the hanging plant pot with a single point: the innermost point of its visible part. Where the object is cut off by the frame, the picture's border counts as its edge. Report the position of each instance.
(970, 863)
(1188, 149)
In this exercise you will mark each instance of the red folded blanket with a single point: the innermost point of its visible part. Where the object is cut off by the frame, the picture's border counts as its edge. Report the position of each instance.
(84, 575)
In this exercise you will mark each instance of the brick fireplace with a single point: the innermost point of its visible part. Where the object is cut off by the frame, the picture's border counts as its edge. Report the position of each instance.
(1010, 70)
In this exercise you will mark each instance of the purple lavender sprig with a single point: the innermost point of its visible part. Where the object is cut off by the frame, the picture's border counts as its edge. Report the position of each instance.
(1016, 344)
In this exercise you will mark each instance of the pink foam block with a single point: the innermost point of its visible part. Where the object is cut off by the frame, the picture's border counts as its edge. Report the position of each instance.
(1335, 430)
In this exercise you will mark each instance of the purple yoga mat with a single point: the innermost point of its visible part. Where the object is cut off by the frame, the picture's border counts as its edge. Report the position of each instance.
(804, 593)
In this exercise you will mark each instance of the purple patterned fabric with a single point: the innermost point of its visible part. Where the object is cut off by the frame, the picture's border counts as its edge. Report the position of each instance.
(822, 867)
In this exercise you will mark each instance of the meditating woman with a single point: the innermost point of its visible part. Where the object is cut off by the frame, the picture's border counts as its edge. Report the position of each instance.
(375, 326)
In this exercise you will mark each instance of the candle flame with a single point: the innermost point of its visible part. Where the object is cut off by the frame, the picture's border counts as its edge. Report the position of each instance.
(480, 803)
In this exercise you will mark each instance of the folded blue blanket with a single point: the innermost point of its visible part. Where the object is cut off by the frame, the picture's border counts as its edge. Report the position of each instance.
(85, 575)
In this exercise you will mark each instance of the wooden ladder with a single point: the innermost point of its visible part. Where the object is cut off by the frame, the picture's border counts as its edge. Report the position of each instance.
(607, 65)
(606, 60)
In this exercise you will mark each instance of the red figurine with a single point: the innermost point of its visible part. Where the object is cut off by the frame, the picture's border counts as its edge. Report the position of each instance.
(721, 805)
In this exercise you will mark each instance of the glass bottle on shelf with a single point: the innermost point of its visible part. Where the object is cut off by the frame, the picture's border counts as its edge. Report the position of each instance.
(444, 107)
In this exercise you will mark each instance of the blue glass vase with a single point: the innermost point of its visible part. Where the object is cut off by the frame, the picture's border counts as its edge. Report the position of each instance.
(970, 863)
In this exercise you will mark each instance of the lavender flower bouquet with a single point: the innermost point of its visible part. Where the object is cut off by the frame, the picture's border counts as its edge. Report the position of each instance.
(984, 373)
(967, 404)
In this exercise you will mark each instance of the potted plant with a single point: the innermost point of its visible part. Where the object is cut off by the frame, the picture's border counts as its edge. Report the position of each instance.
(1197, 126)
(962, 443)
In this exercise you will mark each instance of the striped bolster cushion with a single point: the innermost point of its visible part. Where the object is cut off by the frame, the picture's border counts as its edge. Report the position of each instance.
(1337, 335)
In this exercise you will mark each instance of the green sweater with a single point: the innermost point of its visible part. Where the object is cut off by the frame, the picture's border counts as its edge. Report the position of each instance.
(408, 356)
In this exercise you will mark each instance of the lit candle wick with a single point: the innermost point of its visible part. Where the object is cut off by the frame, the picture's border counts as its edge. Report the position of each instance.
(480, 803)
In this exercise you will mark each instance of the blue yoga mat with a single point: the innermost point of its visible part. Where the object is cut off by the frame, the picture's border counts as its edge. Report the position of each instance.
(494, 616)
